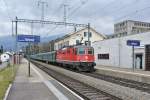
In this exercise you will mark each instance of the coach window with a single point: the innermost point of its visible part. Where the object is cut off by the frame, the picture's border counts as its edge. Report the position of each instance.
(81, 50)
(90, 51)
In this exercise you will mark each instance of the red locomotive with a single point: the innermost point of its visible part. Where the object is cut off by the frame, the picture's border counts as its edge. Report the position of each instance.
(80, 57)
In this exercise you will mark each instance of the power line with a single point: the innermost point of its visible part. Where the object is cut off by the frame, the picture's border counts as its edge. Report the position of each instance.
(77, 8)
(132, 13)
(59, 7)
(43, 5)
(56, 11)
(65, 12)
(115, 11)
(8, 13)
(64, 5)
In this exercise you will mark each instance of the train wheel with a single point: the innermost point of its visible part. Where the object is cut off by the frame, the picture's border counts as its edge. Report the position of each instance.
(92, 69)
(79, 69)
(73, 66)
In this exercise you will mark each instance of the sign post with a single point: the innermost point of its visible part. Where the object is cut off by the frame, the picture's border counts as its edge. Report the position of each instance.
(133, 43)
(30, 39)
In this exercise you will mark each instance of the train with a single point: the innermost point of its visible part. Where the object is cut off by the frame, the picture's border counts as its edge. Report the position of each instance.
(80, 57)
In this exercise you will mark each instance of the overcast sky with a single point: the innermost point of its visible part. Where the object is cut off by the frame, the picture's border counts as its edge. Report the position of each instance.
(102, 14)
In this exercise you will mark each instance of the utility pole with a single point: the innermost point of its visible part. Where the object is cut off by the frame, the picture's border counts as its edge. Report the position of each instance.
(12, 28)
(31, 28)
(16, 33)
(89, 34)
(43, 5)
(65, 13)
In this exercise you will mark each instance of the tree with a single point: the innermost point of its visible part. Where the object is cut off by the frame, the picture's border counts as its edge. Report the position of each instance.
(1, 49)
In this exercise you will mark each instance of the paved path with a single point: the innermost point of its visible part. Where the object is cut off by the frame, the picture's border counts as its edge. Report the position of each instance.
(39, 86)
(130, 70)
(136, 75)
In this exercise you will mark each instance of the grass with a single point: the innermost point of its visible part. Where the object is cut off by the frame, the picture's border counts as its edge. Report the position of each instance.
(6, 77)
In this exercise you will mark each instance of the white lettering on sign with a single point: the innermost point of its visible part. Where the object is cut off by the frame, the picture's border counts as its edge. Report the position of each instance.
(27, 39)
(134, 43)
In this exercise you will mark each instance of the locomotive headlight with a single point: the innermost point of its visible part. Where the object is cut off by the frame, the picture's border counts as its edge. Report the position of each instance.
(86, 57)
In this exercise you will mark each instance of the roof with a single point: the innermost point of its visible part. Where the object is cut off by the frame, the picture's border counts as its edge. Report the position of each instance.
(104, 36)
(67, 35)
(8, 53)
(131, 21)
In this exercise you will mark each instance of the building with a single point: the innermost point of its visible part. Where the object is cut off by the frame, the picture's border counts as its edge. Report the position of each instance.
(80, 36)
(115, 52)
(51, 45)
(129, 27)
(44, 47)
(4, 57)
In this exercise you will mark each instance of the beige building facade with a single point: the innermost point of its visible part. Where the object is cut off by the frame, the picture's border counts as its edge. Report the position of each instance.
(130, 27)
(80, 36)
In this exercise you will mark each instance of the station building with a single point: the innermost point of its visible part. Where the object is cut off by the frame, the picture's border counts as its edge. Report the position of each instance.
(116, 53)
(77, 37)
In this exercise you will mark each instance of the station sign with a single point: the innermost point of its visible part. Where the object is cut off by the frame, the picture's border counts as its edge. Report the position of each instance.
(28, 38)
(133, 42)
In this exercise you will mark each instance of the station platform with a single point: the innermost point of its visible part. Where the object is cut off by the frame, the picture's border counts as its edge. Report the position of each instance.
(39, 86)
(127, 73)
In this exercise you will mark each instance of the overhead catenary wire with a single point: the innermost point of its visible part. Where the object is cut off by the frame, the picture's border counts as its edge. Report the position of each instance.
(78, 7)
(7, 8)
(132, 13)
(82, 2)
(56, 11)
(116, 11)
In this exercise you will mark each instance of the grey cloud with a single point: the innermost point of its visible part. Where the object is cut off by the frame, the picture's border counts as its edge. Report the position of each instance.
(102, 14)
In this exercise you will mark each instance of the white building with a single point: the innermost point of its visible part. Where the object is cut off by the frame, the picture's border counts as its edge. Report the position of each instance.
(115, 52)
(76, 37)
(4, 57)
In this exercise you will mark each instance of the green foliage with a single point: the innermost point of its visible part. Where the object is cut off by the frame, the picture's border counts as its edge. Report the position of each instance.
(6, 77)
(1, 49)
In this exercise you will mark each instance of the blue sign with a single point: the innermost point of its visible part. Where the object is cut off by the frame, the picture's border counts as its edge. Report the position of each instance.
(28, 38)
(133, 42)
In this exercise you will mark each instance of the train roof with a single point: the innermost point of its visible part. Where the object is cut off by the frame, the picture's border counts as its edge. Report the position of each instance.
(76, 46)
(84, 46)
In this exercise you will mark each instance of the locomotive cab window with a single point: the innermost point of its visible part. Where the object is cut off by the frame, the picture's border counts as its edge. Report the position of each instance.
(81, 50)
(90, 51)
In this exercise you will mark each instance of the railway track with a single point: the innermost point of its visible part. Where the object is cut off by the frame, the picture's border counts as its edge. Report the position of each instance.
(144, 87)
(85, 91)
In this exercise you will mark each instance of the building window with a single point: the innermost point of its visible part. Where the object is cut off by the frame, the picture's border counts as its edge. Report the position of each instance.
(67, 43)
(103, 56)
(90, 34)
(86, 34)
(77, 42)
(86, 42)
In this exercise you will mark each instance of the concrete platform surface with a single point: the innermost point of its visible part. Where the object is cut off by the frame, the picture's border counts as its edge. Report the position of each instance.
(39, 86)
(122, 92)
(127, 73)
